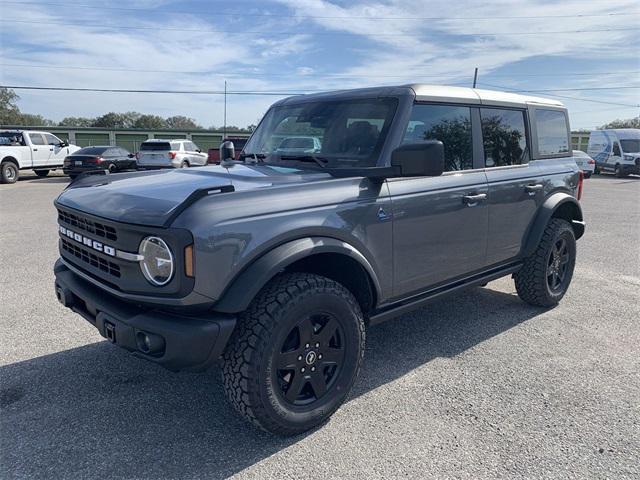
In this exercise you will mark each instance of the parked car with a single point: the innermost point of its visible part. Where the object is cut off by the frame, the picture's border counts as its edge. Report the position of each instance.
(158, 153)
(616, 151)
(584, 162)
(238, 144)
(299, 144)
(104, 157)
(22, 150)
(279, 266)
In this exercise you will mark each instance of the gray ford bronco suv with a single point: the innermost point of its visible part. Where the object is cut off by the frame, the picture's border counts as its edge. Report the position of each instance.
(277, 263)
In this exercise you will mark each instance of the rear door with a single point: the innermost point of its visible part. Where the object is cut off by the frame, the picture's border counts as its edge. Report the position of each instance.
(440, 224)
(40, 149)
(515, 184)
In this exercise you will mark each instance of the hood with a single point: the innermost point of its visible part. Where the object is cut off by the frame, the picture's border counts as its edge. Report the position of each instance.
(154, 197)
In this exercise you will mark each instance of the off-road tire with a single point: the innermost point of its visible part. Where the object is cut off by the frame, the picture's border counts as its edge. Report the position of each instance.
(9, 172)
(531, 280)
(249, 361)
(42, 173)
(618, 172)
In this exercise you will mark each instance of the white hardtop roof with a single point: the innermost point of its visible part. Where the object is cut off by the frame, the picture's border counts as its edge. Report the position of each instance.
(623, 133)
(441, 93)
(165, 140)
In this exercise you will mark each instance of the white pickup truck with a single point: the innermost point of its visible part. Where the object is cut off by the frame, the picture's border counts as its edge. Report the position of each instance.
(40, 151)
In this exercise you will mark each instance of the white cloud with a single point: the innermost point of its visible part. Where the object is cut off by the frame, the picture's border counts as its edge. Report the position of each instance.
(401, 47)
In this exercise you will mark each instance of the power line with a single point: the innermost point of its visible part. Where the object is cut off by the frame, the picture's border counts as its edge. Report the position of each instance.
(269, 93)
(501, 87)
(312, 75)
(189, 92)
(333, 34)
(328, 17)
(622, 87)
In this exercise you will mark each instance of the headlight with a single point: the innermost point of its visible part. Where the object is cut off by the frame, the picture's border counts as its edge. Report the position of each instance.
(157, 264)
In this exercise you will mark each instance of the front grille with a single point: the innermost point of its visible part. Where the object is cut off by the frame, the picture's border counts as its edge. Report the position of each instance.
(90, 258)
(90, 226)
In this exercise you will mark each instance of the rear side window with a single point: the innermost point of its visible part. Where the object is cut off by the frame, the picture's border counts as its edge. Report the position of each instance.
(37, 139)
(154, 146)
(176, 146)
(504, 137)
(448, 123)
(553, 132)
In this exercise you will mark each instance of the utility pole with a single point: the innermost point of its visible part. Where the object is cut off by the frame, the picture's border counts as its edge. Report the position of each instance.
(224, 128)
(475, 77)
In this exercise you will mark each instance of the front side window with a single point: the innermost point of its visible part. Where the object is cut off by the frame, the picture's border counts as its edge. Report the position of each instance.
(52, 139)
(448, 123)
(552, 130)
(631, 145)
(504, 137)
(37, 139)
(342, 133)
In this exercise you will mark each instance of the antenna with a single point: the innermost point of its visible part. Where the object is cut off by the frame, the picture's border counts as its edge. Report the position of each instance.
(475, 77)
(224, 128)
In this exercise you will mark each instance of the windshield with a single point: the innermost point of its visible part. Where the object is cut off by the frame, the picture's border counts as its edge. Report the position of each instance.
(345, 133)
(630, 146)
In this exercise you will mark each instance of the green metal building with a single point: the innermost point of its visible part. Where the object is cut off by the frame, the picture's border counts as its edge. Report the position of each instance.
(131, 138)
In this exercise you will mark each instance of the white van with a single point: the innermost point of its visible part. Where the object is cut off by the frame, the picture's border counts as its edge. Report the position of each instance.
(616, 150)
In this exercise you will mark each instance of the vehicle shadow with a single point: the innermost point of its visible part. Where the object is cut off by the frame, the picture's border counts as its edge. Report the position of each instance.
(96, 412)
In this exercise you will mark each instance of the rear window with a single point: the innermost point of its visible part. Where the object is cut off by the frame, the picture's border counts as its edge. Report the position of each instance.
(91, 151)
(155, 146)
(552, 129)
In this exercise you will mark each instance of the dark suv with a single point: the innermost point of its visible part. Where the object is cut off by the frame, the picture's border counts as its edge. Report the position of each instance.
(280, 261)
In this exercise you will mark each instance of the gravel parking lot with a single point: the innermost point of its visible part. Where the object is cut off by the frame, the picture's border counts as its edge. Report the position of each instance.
(477, 386)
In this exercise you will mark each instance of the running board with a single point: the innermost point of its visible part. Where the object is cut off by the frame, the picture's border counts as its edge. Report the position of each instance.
(419, 301)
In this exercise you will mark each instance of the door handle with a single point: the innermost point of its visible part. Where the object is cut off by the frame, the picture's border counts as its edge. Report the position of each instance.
(35, 149)
(534, 188)
(51, 149)
(473, 200)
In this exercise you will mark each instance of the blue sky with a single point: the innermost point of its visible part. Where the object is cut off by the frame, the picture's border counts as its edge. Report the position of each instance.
(309, 45)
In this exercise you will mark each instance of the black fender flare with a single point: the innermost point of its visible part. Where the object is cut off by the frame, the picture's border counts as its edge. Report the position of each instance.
(237, 297)
(560, 205)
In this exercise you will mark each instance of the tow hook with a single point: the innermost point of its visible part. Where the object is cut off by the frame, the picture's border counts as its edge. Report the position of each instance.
(110, 331)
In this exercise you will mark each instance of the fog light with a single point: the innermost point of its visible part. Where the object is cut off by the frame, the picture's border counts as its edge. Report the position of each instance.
(150, 343)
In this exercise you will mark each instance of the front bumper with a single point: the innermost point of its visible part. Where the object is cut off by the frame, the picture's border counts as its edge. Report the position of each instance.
(173, 340)
(630, 168)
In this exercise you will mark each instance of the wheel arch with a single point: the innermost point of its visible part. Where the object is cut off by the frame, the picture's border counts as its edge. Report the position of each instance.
(559, 205)
(11, 159)
(325, 256)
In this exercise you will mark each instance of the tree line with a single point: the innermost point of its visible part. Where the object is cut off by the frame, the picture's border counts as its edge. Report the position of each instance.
(10, 114)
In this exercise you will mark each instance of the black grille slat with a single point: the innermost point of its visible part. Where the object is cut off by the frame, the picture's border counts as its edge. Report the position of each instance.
(81, 223)
(91, 258)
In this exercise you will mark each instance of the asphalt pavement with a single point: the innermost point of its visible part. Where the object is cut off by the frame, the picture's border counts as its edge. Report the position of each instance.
(480, 385)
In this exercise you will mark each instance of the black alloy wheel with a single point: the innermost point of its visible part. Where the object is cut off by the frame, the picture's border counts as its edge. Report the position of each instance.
(310, 359)
(557, 265)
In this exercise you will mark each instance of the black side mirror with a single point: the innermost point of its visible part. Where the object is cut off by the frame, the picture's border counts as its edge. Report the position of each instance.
(227, 151)
(131, 155)
(198, 150)
(63, 143)
(424, 159)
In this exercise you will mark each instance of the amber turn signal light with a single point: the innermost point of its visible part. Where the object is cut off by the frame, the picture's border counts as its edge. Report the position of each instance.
(188, 261)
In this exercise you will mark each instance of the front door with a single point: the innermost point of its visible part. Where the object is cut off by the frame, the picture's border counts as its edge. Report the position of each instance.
(440, 224)
(515, 185)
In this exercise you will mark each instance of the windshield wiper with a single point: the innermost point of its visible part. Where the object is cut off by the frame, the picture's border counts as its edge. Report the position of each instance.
(255, 156)
(322, 161)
